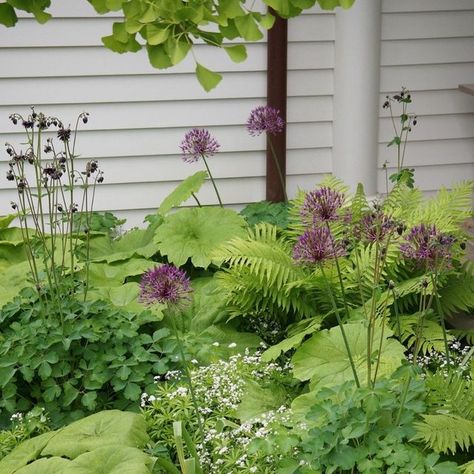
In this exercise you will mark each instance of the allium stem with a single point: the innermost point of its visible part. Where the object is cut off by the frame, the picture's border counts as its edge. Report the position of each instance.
(212, 180)
(277, 165)
(188, 377)
(441, 319)
(341, 326)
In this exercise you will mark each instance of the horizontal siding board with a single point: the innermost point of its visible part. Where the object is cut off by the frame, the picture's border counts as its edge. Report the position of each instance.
(427, 51)
(66, 62)
(96, 144)
(432, 103)
(312, 28)
(431, 152)
(158, 87)
(426, 77)
(433, 128)
(453, 24)
(429, 178)
(425, 5)
(199, 113)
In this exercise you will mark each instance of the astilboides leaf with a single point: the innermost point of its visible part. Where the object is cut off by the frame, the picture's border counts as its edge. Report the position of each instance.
(196, 232)
(192, 184)
(324, 361)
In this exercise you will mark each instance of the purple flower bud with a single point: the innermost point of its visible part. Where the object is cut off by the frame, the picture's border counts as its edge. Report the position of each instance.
(198, 142)
(265, 119)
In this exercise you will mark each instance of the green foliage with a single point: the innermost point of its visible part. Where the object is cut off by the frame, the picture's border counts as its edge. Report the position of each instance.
(275, 213)
(457, 293)
(227, 392)
(324, 360)
(95, 356)
(108, 442)
(350, 429)
(8, 16)
(192, 184)
(445, 432)
(260, 275)
(23, 427)
(196, 232)
(101, 222)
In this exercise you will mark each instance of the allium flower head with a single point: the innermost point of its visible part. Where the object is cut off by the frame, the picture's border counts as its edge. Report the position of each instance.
(198, 142)
(165, 284)
(425, 244)
(265, 119)
(322, 205)
(374, 227)
(316, 245)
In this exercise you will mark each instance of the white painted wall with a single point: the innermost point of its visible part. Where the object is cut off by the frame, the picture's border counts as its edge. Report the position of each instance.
(139, 114)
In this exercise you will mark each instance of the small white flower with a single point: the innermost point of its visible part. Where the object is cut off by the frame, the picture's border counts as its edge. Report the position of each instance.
(232, 345)
(215, 344)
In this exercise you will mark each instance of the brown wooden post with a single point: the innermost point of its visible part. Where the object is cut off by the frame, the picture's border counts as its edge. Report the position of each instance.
(276, 97)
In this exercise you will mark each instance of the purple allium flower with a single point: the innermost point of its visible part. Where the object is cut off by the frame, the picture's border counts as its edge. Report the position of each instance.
(165, 284)
(374, 227)
(265, 119)
(198, 142)
(424, 244)
(316, 245)
(322, 205)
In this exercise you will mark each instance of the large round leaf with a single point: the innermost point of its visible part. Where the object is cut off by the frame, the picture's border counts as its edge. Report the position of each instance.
(323, 359)
(195, 233)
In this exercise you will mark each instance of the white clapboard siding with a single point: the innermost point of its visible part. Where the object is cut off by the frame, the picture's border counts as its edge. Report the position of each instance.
(139, 115)
(428, 47)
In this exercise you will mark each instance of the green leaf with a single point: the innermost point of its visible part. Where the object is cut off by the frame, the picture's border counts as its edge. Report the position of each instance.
(117, 46)
(177, 49)
(230, 8)
(70, 394)
(7, 15)
(46, 466)
(132, 391)
(248, 28)
(44, 370)
(192, 184)
(158, 57)
(6, 374)
(331, 4)
(237, 53)
(323, 359)
(6, 220)
(267, 21)
(208, 79)
(156, 35)
(114, 5)
(89, 400)
(195, 233)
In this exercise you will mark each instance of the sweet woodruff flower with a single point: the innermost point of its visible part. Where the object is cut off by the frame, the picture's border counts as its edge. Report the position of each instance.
(166, 285)
(426, 245)
(198, 142)
(322, 205)
(316, 245)
(265, 119)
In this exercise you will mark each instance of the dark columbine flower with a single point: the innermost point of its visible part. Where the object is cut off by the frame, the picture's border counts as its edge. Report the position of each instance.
(265, 119)
(64, 134)
(374, 227)
(198, 142)
(316, 245)
(166, 285)
(322, 205)
(425, 244)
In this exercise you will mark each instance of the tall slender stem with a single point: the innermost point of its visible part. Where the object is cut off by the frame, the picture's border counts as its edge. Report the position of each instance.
(341, 326)
(277, 165)
(441, 319)
(212, 180)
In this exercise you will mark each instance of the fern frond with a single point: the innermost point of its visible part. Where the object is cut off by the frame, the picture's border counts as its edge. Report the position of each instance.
(260, 274)
(467, 468)
(444, 433)
(447, 210)
(452, 395)
(457, 294)
(402, 201)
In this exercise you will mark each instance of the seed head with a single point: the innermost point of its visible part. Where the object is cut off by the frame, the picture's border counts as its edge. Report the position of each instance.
(265, 119)
(166, 284)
